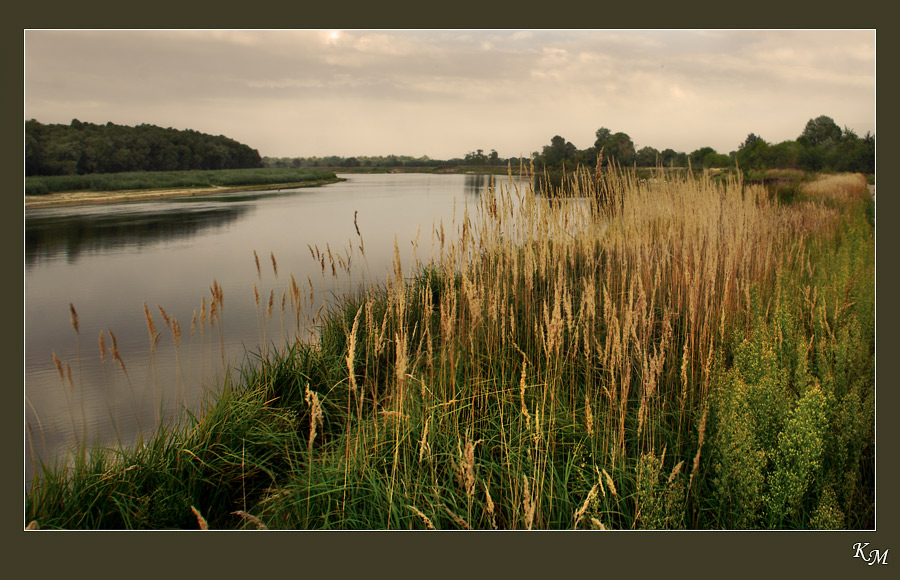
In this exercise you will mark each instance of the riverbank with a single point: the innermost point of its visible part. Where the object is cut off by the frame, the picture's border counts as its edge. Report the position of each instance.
(575, 377)
(70, 198)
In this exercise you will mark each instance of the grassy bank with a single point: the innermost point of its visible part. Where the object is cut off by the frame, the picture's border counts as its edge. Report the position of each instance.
(42, 185)
(656, 354)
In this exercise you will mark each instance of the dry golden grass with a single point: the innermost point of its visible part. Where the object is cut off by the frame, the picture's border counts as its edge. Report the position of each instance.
(590, 317)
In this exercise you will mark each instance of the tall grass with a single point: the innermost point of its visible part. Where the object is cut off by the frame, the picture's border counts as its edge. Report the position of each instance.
(663, 353)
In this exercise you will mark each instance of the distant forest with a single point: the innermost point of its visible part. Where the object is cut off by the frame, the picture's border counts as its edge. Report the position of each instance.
(85, 148)
(821, 146)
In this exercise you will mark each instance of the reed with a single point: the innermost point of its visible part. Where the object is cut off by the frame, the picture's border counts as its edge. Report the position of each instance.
(673, 352)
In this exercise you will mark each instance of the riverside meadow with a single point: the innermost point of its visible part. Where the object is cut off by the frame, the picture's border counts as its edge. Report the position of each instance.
(613, 353)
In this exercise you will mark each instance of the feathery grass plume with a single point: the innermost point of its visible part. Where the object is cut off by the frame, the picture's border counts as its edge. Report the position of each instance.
(151, 327)
(591, 496)
(351, 349)
(424, 448)
(32, 525)
(176, 332)
(73, 317)
(528, 505)
(675, 471)
(610, 484)
(201, 521)
(315, 414)
(522, 386)
(271, 303)
(220, 294)
(362, 244)
(425, 519)
(213, 311)
(466, 465)
(331, 259)
(491, 509)
(456, 519)
(400, 364)
(596, 524)
(256, 295)
(114, 351)
(101, 342)
(258, 270)
(59, 367)
(165, 317)
(274, 264)
(252, 519)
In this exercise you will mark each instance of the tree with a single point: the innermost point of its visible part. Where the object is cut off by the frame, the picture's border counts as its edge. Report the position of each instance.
(559, 151)
(707, 157)
(753, 153)
(617, 146)
(671, 158)
(784, 155)
(750, 140)
(820, 131)
(647, 157)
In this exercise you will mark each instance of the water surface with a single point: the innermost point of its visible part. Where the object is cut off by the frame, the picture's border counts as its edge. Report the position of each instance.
(108, 260)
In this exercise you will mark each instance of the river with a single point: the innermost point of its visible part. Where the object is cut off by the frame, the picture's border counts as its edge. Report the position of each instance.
(108, 261)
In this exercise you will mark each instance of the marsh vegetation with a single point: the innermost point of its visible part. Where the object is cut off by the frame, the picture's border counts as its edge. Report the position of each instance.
(616, 353)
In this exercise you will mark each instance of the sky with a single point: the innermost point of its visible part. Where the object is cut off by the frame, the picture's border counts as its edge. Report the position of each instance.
(444, 93)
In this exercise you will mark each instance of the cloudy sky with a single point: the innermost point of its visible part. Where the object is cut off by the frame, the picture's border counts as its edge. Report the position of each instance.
(443, 93)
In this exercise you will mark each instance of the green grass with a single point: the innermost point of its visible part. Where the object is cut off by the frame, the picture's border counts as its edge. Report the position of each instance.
(692, 355)
(40, 185)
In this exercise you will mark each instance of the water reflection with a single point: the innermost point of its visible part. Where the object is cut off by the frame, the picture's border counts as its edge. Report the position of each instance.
(108, 260)
(54, 233)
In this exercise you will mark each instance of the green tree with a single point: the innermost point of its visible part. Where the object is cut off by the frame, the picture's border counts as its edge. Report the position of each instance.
(785, 155)
(647, 157)
(617, 146)
(559, 151)
(753, 153)
(820, 131)
(671, 158)
(707, 157)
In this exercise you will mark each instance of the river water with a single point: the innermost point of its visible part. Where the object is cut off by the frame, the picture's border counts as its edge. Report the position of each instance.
(108, 261)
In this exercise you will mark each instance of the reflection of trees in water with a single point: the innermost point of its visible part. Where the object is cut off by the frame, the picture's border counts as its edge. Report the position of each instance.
(73, 234)
(477, 183)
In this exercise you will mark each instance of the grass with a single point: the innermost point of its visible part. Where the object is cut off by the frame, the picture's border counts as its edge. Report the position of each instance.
(627, 353)
(41, 185)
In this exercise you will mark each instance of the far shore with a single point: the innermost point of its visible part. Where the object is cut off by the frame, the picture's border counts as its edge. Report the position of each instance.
(94, 197)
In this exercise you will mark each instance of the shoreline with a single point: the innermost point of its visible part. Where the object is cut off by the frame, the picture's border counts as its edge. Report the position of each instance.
(75, 198)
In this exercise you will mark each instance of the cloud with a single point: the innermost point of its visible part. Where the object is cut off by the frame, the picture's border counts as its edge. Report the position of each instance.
(446, 92)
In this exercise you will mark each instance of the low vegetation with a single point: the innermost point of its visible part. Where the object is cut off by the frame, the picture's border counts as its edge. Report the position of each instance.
(141, 180)
(619, 353)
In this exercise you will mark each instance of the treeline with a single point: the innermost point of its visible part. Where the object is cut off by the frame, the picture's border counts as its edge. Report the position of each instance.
(822, 146)
(358, 161)
(85, 148)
